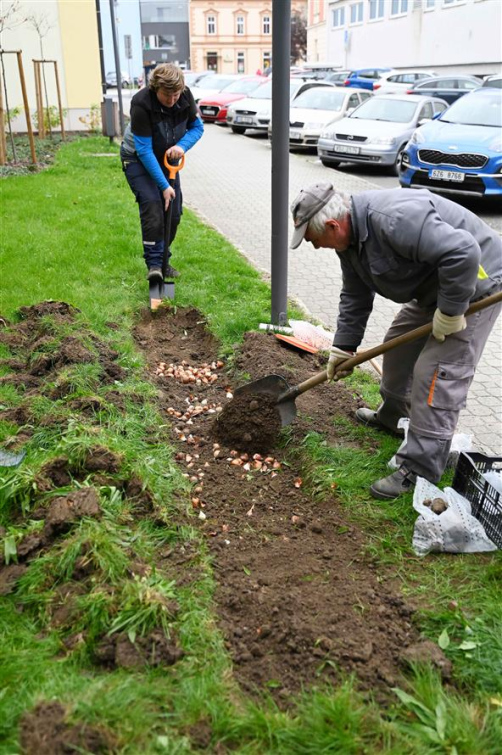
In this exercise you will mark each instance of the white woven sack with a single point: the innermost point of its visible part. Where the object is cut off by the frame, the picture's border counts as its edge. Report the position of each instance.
(314, 335)
(453, 531)
(460, 442)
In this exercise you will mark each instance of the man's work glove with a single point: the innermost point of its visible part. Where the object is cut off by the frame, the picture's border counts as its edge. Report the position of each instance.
(336, 357)
(444, 325)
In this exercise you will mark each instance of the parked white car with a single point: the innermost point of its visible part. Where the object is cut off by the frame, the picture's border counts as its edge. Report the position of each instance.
(255, 111)
(377, 132)
(397, 82)
(313, 109)
(212, 84)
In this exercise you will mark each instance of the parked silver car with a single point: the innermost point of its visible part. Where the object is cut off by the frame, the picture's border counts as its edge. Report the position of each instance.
(378, 130)
(316, 108)
(256, 110)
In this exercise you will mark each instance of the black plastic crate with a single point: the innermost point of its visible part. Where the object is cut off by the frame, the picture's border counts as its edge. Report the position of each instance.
(485, 500)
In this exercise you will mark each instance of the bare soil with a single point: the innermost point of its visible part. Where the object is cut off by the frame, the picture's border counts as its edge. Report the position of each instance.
(298, 599)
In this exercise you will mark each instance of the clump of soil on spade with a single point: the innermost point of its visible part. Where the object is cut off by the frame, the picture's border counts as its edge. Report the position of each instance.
(46, 731)
(250, 422)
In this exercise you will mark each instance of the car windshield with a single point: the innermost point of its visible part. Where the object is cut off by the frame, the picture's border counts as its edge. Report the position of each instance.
(264, 92)
(321, 98)
(381, 109)
(215, 82)
(191, 78)
(242, 87)
(476, 111)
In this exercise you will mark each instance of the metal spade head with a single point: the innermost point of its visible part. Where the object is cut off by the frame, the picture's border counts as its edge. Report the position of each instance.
(159, 291)
(274, 386)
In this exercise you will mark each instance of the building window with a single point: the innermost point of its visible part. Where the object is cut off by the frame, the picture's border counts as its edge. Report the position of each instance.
(212, 61)
(429, 4)
(338, 17)
(452, 2)
(376, 9)
(240, 25)
(211, 24)
(399, 7)
(266, 24)
(267, 60)
(240, 62)
(356, 13)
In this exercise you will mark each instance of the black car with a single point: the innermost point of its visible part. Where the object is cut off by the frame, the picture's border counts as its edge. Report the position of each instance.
(448, 88)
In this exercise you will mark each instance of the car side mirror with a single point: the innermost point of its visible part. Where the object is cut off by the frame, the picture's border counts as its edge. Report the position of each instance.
(423, 121)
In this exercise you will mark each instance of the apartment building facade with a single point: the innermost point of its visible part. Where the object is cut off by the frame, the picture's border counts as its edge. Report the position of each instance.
(462, 36)
(317, 31)
(233, 36)
(70, 37)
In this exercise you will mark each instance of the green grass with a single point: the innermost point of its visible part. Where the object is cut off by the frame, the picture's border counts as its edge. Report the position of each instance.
(80, 241)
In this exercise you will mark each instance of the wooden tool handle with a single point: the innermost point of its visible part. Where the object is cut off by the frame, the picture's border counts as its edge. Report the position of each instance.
(365, 356)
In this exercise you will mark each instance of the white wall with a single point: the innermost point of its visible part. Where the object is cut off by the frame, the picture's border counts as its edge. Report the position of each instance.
(464, 37)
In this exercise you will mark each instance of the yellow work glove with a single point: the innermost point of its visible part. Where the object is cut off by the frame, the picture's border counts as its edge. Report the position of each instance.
(336, 357)
(444, 325)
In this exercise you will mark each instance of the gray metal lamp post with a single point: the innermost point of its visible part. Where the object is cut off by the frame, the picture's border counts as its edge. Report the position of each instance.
(281, 47)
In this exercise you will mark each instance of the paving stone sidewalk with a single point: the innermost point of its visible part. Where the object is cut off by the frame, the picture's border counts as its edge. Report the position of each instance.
(227, 182)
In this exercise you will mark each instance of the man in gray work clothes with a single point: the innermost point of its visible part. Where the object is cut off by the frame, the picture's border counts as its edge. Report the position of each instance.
(436, 258)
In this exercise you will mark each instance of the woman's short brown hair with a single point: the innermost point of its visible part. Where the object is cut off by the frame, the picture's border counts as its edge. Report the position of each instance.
(167, 76)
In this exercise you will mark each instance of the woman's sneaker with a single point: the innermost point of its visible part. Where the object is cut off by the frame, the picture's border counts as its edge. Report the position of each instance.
(155, 275)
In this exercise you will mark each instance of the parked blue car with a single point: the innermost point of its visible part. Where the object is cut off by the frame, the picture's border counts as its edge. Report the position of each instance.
(460, 151)
(365, 77)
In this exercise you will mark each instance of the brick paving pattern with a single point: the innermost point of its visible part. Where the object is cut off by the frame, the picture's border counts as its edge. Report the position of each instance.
(227, 182)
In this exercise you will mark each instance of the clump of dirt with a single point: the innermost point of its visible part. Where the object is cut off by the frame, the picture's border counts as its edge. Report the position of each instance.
(46, 731)
(101, 459)
(65, 510)
(250, 422)
(9, 577)
(298, 598)
(155, 649)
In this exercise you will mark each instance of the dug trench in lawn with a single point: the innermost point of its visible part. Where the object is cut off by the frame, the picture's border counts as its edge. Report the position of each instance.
(298, 599)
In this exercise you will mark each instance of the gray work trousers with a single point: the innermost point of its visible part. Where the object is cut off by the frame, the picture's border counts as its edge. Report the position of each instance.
(428, 382)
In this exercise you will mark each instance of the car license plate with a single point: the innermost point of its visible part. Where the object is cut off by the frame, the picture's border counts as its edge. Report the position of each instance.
(446, 175)
(295, 135)
(346, 149)
(243, 119)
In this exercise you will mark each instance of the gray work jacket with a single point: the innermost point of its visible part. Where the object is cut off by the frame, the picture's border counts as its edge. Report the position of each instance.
(414, 245)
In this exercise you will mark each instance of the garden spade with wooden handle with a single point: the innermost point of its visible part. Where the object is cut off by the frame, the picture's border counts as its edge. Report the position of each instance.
(276, 387)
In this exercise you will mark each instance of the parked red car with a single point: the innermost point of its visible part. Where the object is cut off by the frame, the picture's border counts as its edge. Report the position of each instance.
(214, 109)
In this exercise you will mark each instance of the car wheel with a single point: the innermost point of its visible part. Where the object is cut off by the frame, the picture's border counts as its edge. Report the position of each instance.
(396, 168)
(238, 130)
(330, 163)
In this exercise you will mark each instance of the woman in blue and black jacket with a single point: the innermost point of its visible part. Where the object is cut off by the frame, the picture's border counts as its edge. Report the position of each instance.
(164, 117)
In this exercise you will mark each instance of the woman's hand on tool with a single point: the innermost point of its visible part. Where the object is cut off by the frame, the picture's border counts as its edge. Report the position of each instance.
(175, 153)
(336, 358)
(168, 194)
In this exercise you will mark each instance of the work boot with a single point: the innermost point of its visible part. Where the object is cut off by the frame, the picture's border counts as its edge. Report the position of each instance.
(370, 418)
(394, 485)
(171, 272)
(155, 275)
